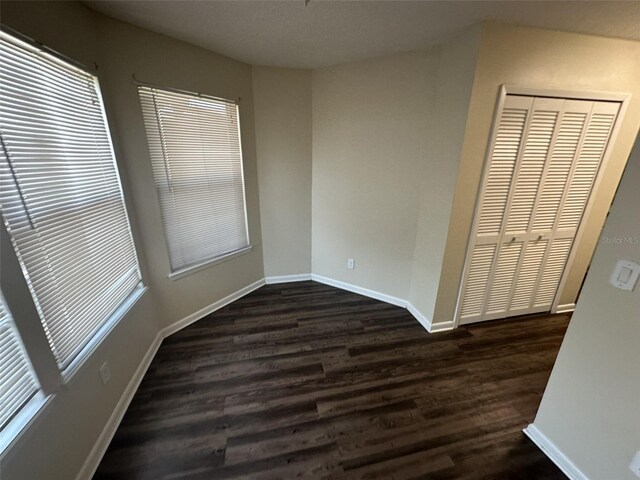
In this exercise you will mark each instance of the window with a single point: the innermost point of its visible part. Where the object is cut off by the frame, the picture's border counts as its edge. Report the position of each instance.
(196, 156)
(17, 381)
(61, 197)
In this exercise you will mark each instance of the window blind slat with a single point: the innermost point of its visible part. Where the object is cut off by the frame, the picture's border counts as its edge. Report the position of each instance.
(17, 381)
(196, 157)
(61, 196)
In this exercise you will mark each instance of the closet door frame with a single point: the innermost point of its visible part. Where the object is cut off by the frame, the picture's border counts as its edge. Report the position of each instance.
(588, 95)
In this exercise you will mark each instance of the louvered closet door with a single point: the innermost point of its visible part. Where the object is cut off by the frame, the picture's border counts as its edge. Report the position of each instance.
(541, 169)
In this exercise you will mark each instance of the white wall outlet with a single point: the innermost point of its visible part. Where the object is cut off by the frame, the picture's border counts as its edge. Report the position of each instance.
(634, 466)
(351, 263)
(105, 373)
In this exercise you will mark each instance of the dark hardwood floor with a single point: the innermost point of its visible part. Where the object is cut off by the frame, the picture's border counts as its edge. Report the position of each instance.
(307, 381)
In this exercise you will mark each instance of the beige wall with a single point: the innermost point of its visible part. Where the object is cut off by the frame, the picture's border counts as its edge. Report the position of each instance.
(590, 407)
(379, 188)
(282, 99)
(530, 57)
(371, 124)
(437, 179)
(126, 51)
(59, 441)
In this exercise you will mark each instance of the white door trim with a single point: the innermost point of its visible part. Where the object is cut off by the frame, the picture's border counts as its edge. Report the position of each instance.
(504, 90)
(502, 95)
(590, 201)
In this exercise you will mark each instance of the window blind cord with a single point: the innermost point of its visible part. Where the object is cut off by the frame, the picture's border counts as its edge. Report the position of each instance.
(15, 180)
(162, 143)
(78, 258)
(196, 156)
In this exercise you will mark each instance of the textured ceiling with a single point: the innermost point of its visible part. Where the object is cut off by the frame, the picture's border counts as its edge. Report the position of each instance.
(290, 34)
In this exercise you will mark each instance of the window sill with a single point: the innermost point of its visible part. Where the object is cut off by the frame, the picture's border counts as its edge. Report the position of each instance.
(25, 417)
(183, 272)
(101, 334)
(29, 414)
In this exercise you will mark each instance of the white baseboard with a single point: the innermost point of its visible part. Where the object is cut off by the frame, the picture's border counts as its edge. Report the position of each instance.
(566, 308)
(554, 453)
(100, 447)
(426, 323)
(203, 312)
(302, 277)
(383, 297)
(442, 326)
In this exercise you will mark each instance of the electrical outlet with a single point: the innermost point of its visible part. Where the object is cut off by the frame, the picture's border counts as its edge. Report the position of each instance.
(634, 466)
(351, 263)
(105, 373)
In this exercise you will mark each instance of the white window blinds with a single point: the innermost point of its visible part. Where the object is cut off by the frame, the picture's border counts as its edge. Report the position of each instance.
(61, 196)
(17, 382)
(196, 155)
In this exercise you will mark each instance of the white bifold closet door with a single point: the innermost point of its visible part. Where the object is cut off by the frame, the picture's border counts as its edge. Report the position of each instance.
(542, 165)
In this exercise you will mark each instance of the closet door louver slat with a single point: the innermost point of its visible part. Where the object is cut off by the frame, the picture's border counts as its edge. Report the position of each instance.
(541, 170)
(477, 279)
(559, 166)
(579, 183)
(491, 212)
(528, 276)
(500, 286)
(535, 150)
(597, 136)
(502, 165)
(552, 271)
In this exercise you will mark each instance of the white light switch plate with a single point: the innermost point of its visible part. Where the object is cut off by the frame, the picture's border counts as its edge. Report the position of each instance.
(625, 275)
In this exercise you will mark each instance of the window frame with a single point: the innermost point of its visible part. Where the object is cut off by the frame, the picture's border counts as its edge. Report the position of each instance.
(89, 343)
(23, 414)
(21, 303)
(186, 270)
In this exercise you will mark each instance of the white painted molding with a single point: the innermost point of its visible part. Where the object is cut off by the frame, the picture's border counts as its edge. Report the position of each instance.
(104, 439)
(203, 312)
(383, 297)
(302, 277)
(97, 452)
(554, 453)
(566, 308)
(442, 326)
(426, 323)
(99, 449)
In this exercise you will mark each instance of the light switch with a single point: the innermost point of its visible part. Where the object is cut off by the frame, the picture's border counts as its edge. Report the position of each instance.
(625, 275)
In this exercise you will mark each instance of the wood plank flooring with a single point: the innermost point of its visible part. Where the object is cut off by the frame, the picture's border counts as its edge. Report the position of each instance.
(303, 380)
